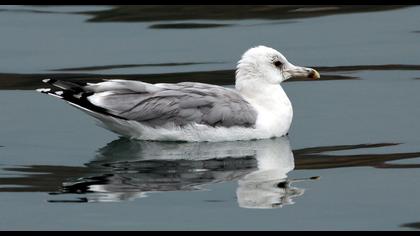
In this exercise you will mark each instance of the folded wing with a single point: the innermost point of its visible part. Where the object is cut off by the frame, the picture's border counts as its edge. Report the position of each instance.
(160, 104)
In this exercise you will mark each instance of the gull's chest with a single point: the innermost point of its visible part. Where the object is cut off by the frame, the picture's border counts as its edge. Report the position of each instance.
(273, 107)
(275, 114)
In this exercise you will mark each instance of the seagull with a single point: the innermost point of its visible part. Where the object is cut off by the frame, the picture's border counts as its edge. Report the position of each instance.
(257, 108)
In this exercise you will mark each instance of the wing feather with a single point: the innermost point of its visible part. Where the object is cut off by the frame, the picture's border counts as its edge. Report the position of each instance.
(160, 104)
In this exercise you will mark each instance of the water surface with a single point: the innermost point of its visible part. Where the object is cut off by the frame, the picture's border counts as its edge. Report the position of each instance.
(350, 161)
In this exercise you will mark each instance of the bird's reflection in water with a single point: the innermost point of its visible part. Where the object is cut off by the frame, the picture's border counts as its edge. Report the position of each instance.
(127, 169)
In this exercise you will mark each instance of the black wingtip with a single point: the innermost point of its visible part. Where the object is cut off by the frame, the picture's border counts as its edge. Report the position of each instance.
(49, 81)
(74, 93)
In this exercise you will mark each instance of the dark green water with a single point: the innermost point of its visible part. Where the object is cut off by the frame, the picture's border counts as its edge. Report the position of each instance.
(359, 135)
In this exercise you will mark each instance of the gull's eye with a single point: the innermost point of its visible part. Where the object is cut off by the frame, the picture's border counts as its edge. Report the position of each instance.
(278, 63)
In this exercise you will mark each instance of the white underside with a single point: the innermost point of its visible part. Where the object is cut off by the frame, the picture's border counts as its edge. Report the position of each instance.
(190, 133)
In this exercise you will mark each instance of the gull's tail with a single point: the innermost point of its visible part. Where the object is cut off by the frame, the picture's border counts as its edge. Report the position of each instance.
(69, 89)
(76, 87)
(76, 94)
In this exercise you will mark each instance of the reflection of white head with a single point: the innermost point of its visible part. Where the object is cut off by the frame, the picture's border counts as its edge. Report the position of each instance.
(259, 189)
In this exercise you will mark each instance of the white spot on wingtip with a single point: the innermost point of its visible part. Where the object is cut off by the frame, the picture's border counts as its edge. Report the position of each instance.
(43, 90)
(59, 93)
(46, 80)
(79, 95)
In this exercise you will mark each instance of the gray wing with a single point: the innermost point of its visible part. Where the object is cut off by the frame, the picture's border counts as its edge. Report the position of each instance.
(179, 104)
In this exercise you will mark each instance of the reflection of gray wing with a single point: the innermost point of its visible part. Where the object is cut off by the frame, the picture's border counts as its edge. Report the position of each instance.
(180, 104)
(127, 169)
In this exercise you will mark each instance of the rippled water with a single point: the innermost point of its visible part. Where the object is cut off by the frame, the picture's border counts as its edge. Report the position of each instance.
(350, 162)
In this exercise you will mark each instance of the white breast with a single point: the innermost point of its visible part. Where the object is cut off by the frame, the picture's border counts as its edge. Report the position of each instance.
(274, 110)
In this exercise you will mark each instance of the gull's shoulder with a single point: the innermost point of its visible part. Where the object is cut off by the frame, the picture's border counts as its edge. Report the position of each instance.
(197, 86)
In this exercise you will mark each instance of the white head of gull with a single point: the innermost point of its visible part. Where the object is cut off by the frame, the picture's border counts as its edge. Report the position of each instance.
(258, 107)
(258, 77)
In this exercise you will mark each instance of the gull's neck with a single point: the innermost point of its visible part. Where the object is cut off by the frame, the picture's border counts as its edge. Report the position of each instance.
(253, 87)
(273, 106)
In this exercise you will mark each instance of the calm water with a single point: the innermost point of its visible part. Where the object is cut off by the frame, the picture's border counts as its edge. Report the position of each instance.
(351, 160)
